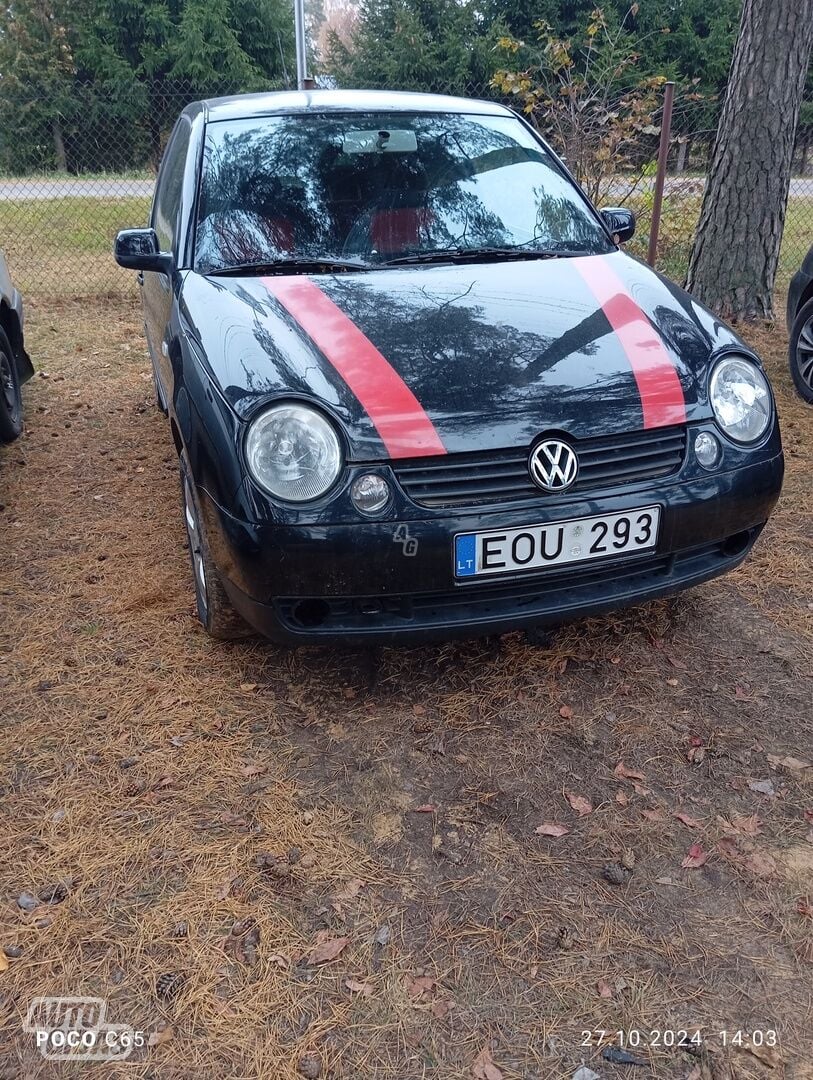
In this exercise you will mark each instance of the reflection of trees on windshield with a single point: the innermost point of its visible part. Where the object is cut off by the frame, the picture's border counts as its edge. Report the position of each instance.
(288, 186)
(452, 353)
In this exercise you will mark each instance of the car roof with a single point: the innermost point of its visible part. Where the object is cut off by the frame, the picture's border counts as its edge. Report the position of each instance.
(242, 106)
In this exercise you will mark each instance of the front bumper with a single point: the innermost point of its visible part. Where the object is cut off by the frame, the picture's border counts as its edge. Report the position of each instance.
(393, 581)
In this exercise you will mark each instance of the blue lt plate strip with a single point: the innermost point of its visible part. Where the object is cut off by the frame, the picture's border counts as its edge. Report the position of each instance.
(465, 548)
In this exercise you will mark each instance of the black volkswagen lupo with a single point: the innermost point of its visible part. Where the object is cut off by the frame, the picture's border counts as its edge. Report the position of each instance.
(416, 388)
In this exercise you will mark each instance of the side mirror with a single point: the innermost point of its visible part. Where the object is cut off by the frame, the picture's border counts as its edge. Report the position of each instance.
(137, 249)
(620, 222)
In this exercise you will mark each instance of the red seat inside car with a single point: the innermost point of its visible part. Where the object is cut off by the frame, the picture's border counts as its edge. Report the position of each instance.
(399, 229)
(281, 234)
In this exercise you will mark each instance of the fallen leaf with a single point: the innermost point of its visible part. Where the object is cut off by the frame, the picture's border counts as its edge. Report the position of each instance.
(696, 754)
(581, 805)
(727, 846)
(583, 1073)
(689, 821)
(161, 1036)
(640, 789)
(787, 762)
(604, 989)
(655, 814)
(666, 880)
(804, 908)
(441, 1008)
(247, 686)
(746, 826)
(621, 798)
(350, 890)
(253, 770)
(624, 773)
(484, 1067)
(566, 712)
(328, 950)
(808, 815)
(763, 787)
(383, 935)
(3, 961)
(551, 828)
(760, 864)
(357, 986)
(425, 808)
(768, 1055)
(695, 858)
(420, 985)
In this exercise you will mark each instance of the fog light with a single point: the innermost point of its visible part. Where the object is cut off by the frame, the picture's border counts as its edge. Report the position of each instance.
(706, 449)
(370, 493)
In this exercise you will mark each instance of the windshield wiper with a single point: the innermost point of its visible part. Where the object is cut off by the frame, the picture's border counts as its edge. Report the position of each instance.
(301, 266)
(484, 254)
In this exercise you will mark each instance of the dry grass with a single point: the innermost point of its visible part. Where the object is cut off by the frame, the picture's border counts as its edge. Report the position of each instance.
(148, 767)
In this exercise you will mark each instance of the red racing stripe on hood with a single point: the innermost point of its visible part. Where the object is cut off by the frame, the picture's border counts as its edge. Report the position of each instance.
(398, 416)
(662, 399)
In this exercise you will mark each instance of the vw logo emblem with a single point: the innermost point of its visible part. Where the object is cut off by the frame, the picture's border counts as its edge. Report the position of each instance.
(553, 465)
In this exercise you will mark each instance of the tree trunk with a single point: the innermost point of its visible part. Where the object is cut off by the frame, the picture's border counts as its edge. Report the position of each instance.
(736, 248)
(59, 145)
(683, 153)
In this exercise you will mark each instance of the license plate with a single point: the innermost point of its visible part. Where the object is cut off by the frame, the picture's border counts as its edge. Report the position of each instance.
(556, 543)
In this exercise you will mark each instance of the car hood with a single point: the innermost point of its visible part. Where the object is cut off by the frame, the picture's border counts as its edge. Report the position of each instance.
(449, 358)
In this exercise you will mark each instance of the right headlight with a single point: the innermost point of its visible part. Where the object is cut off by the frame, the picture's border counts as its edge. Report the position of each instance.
(293, 452)
(741, 398)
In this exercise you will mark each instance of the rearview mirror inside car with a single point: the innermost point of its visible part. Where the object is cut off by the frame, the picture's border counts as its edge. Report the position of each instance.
(620, 222)
(137, 249)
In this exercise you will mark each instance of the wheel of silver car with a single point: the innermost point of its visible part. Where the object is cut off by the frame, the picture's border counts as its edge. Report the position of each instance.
(801, 351)
(11, 404)
(214, 607)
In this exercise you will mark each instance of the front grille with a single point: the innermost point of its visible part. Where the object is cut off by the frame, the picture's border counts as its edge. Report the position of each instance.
(502, 475)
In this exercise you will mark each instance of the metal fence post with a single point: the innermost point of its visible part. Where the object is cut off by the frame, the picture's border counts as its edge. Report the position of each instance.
(663, 153)
(302, 79)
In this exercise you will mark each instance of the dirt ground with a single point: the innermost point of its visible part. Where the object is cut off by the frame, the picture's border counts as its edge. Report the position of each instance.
(327, 863)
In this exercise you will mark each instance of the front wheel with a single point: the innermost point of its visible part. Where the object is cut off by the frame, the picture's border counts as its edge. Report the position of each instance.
(11, 402)
(214, 607)
(801, 351)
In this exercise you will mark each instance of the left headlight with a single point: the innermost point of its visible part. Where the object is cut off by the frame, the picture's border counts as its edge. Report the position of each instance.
(293, 452)
(741, 398)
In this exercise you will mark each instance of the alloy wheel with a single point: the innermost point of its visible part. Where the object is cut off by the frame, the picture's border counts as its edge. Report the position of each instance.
(193, 533)
(7, 387)
(804, 353)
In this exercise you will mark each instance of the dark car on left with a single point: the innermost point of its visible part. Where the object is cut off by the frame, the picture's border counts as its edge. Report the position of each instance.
(15, 365)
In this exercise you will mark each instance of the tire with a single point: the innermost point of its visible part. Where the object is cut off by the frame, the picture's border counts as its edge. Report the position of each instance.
(11, 402)
(215, 611)
(801, 351)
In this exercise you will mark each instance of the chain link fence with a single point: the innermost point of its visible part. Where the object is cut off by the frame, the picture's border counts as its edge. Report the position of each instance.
(68, 186)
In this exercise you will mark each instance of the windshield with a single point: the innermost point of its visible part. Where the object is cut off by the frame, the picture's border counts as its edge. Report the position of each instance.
(371, 188)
